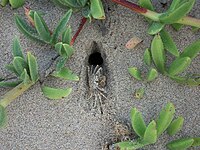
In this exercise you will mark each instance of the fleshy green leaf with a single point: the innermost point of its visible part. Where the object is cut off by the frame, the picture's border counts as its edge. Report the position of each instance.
(181, 144)
(135, 73)
(16, 48)
(177, 26)
(61, 26)
(179, 65)
(26, 29)
(152, 75)
(33, 67)
(16, 3)
(97, 9)
(196, 141)
(55, 93)
(168, 43)
(165, 118)
(137, 122)
(61, 63)
(155, 27)
(9, 83)
(175, 15)
(157, 52)
(147, 57)
(192, 50)
(128, 145)
(146, 4)
(4, 2)
(42, 28)
(3, 116)
(11, 68)
(66, 36)
(175, 126)
(19, 64)
(175, 4)
(68, 50)
(25, 77)
(66, 74)
(150, 135)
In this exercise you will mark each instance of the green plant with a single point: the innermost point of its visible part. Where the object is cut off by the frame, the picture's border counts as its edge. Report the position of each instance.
(38, 30)
(148, 134)
(89, 8)
(13, 3)
(26, 70)
(162, 41)
(175, 15)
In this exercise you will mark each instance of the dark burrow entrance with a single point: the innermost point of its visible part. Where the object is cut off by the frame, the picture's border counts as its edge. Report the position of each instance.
(96, 77)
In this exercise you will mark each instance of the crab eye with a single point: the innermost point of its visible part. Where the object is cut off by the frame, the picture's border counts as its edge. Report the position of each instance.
(95, 59)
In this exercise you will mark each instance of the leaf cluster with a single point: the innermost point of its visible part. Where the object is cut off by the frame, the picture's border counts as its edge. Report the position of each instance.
(163, 42)
(89, 8)
(148, 134)
(13, 3)
(25, 68)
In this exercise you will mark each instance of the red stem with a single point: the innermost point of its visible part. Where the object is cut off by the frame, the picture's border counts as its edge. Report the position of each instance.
(131, 6)
(83, 21)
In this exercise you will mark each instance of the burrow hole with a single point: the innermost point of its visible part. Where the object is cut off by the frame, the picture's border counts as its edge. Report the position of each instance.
(95, 59)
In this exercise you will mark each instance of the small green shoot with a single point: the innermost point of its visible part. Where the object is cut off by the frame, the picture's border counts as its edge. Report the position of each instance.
(26, 70)
(139, 93)
(150, 133)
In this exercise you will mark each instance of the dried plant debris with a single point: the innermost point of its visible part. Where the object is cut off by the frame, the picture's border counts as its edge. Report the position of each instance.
(133, 42)
(97, 84)
(148, 134)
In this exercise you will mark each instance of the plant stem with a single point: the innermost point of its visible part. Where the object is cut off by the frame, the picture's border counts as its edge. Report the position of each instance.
(83, 21)
(154, 15)
(14, 93)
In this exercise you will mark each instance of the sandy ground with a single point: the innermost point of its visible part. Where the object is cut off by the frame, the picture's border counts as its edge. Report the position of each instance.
(36, 123)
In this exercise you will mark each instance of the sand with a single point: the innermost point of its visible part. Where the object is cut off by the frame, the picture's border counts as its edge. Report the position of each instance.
(36, 123)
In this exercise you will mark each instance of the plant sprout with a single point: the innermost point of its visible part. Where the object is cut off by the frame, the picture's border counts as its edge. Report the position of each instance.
(162, 41)
(148, 134)
(26, 70)
(13, 3)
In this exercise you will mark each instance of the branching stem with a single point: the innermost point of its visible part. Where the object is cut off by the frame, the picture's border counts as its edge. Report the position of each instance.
(14, 93)
(154, 15)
